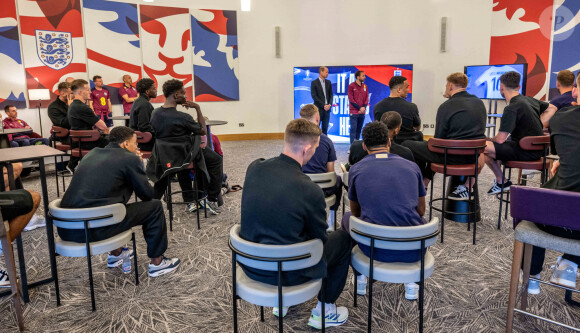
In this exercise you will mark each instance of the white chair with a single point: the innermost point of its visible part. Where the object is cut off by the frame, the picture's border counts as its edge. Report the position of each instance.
(326, 180)
(85, 219)
(276, 258)
(393, 238)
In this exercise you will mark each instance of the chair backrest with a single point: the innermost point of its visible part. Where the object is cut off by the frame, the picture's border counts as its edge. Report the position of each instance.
(457, 147)
(312, 247)
(535, 142)
(143, 137)
(60, 132)
(324, 180)
(398, 234)
(85, 135)
(550, 207)
(73, 218)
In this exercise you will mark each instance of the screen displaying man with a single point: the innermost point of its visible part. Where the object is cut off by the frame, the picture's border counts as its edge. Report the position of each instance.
(128, 94)
(100, 101)
(321, 91)
(411, 122)
(358, 99)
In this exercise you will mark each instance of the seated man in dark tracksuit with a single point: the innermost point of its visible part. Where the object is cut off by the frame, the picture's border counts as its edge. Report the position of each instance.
(323, 160)
(281, 205)
(107, 176)
(142, 109)
(565, 142)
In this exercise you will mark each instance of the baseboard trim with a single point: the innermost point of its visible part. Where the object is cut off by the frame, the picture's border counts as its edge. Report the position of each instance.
(251, 136)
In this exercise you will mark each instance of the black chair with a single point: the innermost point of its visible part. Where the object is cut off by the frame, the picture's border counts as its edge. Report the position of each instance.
(62, 134)
(170, 202)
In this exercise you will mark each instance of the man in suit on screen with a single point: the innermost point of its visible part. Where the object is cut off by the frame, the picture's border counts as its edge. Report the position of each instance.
(321, 91)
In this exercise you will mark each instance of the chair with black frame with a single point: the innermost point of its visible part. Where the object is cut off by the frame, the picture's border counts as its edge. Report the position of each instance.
(144, 137)
(277, 258)
(551, 208)
(62, 134)
(170, 202)
(80, 137)
(86, 219)
(529, 143)
(326, 180)
(393, 238)
(457, 148)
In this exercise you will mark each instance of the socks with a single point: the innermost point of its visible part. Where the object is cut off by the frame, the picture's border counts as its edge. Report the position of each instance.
(331, 219)
(328, 307)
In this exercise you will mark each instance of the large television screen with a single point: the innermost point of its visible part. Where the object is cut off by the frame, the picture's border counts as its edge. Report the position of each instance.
(484, 80)
(377, 81)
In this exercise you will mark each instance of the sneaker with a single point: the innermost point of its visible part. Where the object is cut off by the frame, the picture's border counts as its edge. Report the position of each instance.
(411, 291)
(167, 265)
(565, 273)
(334, 317)
(213, 207)
(533, 286)
(4, 282)
(460, 193)
(275, 311)
(116, 261)
(68, 168)
(192, 207)
(496, 188)
(361, 284)
(37, 221)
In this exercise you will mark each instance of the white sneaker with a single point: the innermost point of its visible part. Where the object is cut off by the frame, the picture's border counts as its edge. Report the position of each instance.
(167, 265)
(533, 286)
(4, 281)
(37, 221)
(361, 284)
(411, 291)
(275, 311)
(335, 316)
(565, 273)
(116, 261)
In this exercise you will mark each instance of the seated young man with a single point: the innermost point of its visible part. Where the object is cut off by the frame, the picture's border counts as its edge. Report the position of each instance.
(521, 118)
(462, 117)
(393, 121)
(21, 139)
(281, 205)
(565, 141)
(323, 160)
(385, 189)
(110, 175)
(141, 110)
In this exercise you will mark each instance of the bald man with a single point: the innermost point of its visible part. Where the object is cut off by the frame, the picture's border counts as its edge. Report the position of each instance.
(70, 79)
(128, 94)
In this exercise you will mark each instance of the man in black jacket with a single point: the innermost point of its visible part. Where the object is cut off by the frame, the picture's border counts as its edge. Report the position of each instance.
(107, 176)
(321, 91)
(142, 109)
(57, 110)
(281, 205)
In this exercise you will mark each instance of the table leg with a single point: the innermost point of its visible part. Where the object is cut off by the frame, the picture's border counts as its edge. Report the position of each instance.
(22, 264)
(49, 229)
(209, 141)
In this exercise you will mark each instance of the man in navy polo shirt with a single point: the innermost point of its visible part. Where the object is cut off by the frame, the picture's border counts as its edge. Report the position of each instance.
(385, 189)
(323, 160)
(565, 84)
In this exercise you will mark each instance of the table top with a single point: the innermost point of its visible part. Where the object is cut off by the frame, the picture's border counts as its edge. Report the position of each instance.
(15, 130)
(215, 122)
(28, 153)
(120, 118)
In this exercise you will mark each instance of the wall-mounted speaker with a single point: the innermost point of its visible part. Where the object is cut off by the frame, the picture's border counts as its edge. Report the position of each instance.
(277, 37)
(443, 34)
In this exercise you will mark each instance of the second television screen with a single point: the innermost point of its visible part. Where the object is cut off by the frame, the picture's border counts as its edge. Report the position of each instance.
(484, 80)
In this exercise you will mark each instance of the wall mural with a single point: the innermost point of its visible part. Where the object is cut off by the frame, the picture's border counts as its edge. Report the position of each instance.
(520, 33)
(13, 83)
(112, 21)
(214, 39)
(53, 43)
(165, 40)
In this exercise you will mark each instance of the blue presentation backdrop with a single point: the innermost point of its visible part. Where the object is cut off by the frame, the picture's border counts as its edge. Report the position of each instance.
(484, 80)
(377, 81)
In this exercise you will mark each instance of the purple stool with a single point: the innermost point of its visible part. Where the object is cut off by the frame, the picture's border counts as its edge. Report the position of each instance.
(549, 207)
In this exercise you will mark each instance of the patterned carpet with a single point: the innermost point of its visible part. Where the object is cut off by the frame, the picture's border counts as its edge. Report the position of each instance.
(468, 291)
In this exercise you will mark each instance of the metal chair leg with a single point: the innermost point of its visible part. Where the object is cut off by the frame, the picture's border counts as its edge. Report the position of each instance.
(443, 209)
(169, 204)
(431, 199)
(501, 199)
(135, 259)
(56, 178)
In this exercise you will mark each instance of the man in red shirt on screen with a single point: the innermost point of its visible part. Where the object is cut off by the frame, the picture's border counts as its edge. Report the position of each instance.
(100, 101)
(128, 93)
(358, 99)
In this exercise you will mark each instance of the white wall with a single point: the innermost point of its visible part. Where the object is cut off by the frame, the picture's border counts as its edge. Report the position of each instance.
(338, 32)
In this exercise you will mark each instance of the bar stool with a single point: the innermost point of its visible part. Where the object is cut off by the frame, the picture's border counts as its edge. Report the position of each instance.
(459, 148)
(549, 207)
(61, 133)
(80, 137)
(529, 143)
(169, 201)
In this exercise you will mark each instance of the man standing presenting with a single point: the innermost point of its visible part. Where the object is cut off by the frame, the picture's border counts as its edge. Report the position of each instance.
(321, 91)
(128, 94)
(100, 101)
(411, 126)
(358, 99)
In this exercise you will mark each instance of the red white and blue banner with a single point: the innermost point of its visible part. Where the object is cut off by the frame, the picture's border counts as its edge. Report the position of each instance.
(12, 83)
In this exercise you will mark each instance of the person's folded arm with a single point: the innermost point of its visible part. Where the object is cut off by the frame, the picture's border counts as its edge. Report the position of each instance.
(102, 126)
(138, 178)
(421, 206)
(546, 115)
(501, 137)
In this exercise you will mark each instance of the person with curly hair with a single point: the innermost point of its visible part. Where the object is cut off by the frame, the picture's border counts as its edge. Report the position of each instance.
(140, 119)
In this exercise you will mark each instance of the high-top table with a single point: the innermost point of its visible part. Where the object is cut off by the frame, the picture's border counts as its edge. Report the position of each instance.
(125, 118)
(23, 154)
(4, 142)
(208, 124)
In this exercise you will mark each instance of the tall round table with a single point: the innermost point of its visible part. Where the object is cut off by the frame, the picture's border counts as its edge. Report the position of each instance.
(208, 124)
(125, 118)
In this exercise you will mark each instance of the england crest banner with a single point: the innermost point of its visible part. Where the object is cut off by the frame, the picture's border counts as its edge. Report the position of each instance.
(54, 48)
(12, 80)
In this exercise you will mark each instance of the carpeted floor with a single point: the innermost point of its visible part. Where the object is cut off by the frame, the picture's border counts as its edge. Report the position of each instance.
(468, 291)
